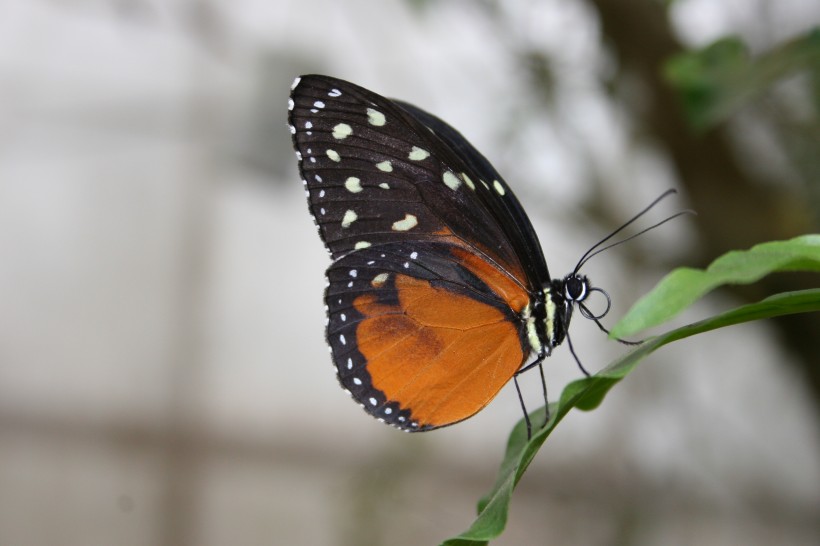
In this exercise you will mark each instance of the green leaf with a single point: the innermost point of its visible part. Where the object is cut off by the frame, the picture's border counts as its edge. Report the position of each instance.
(684, 286)
(717, 80)
(587, 393)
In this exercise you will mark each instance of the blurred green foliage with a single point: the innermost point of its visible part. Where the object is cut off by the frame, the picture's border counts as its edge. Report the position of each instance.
(718, 80)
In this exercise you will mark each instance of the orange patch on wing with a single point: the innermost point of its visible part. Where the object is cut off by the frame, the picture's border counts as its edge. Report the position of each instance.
(515, 296)
(501, 283)
(441, 355)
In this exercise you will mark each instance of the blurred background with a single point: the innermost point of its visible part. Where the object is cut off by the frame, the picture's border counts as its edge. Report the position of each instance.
(163, 374)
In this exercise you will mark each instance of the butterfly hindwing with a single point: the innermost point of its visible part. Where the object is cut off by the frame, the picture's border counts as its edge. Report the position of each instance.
(419, 333)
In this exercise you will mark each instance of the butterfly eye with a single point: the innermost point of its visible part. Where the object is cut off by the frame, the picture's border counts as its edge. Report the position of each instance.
(576, 288)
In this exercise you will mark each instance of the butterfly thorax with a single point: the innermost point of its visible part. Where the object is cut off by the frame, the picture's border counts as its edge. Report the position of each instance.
(548, 316)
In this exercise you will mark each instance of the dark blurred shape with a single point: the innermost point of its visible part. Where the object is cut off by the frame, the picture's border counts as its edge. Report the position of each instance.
(735, 210)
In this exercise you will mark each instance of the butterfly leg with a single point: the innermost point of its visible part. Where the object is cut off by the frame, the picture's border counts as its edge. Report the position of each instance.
(537, 362)
(523, 407)
(575, 356)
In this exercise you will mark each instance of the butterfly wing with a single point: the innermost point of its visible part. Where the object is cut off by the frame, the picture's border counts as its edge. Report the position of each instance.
(501, 201)
(428, 285)
(422, 338)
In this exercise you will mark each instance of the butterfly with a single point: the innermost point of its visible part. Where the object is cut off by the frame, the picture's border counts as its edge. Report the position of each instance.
(438, 292)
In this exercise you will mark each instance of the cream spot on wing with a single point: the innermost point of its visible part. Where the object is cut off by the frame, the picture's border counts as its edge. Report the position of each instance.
(374, 117)
(385, 166)
(342, 130)
(418, 154)
(468, 181)
(334, 155)
(451, 180)
(361, 244)
(353, 184)
(379, 279)
(498, 187)
(408, 223)
(349, 217)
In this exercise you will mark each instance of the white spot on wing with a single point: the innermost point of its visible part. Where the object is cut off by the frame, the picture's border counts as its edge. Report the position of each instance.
(295, 83)
(384, 186)
(372, 401)
(357, 381)
(361, 244)
(342, 339)
(334, 93)
(334, 155)
(385, 166)
(414, 255)
(353, 273)
(468, 181)
(290, 104)
(498, 187)
(319, 104)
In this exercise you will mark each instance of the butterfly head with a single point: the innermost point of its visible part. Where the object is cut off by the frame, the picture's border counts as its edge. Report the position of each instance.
(562, 296)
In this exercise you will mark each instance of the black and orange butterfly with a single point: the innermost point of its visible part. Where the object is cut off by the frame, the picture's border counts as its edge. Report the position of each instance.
(438, 292)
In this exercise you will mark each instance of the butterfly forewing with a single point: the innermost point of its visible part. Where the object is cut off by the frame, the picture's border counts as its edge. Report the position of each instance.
(494, 194)
(375, 174)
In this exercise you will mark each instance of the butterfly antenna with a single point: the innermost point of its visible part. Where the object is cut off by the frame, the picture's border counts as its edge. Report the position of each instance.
(616, 243)
(591, 252)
